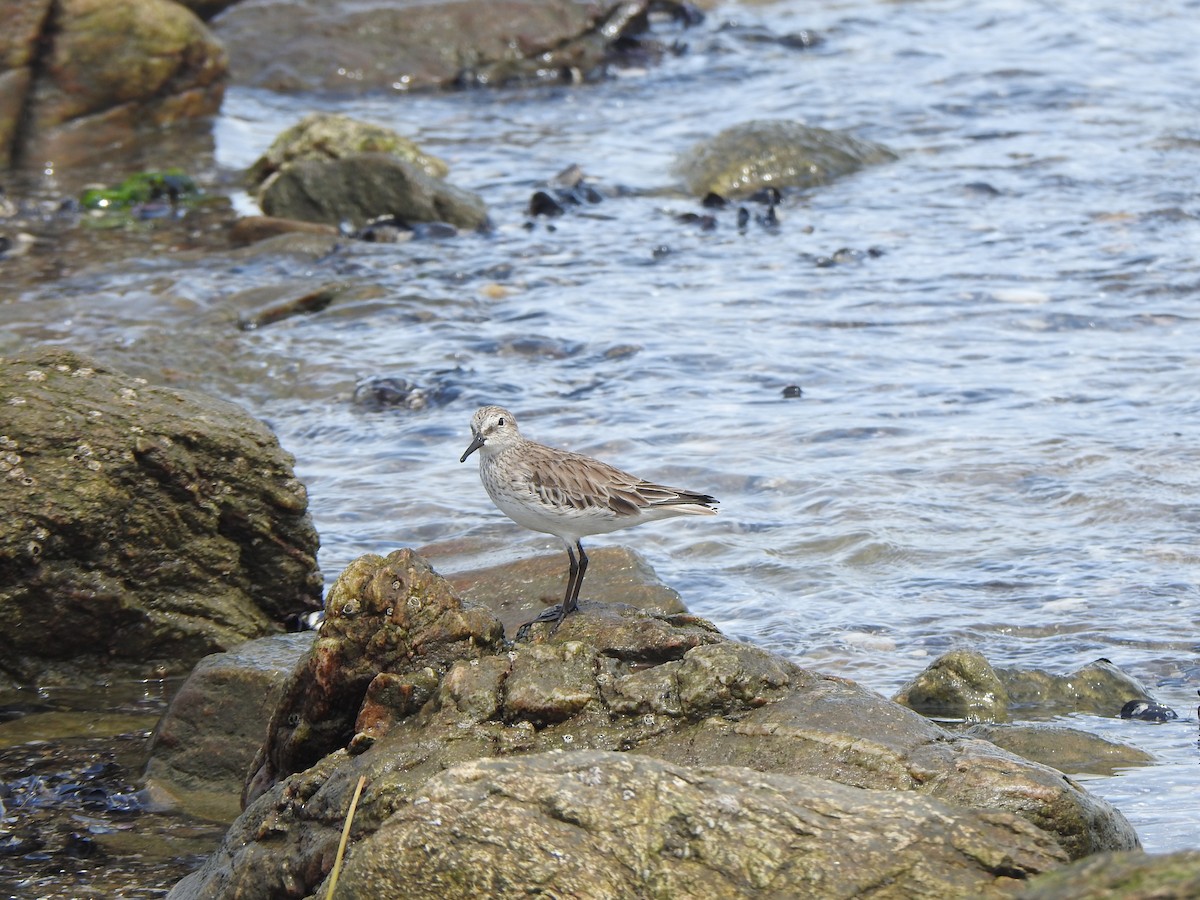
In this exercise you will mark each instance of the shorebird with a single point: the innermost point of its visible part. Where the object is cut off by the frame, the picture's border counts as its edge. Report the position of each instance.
(567, 494)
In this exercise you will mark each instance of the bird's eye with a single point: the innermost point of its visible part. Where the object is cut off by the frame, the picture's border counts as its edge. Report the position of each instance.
(500, 422)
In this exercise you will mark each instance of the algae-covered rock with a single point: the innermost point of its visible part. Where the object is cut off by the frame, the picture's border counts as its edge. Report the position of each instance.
(962, 685)
(595, 824)
(141, 528)
(1100, 688)
(958, 685)
(1121, 876)
(774, 153)
(326, 136)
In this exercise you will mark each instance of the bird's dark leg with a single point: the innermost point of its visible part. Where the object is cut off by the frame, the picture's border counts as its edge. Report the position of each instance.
(570, 603)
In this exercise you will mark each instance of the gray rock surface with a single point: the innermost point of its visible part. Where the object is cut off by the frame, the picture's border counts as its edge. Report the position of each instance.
(199, 768)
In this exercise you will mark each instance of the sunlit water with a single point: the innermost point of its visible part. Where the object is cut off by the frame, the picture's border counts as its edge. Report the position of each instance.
(996, 446)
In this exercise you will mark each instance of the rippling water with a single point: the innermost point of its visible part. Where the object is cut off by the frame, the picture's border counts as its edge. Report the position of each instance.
(996, 446)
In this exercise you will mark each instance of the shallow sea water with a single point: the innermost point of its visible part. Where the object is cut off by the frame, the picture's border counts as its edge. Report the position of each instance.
(996, 446)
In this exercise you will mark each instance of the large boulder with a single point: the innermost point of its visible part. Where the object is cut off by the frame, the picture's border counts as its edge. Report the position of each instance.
(91, 75)
(596, 824)
(141, 528)
(407, 680)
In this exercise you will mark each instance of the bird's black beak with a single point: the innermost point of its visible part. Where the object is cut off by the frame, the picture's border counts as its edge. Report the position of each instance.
(475, 445)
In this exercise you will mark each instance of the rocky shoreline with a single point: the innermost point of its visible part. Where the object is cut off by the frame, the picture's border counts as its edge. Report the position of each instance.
(150, 532)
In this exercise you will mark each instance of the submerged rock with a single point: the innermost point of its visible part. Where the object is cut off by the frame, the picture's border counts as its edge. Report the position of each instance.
(962, 685)
(1069, 750)
(774, 153)
(140, 527)
(1100, 688)
(406, 681)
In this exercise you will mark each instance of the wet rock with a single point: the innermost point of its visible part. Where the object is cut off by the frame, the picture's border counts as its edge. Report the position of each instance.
(379, 392)
(359, 188)
(774, 153)
(141, 528)
(93, 74)
(593, 824)
(252, 229)
(263, 306)
(962, 685)
(391, 229)
(53, 800)
(1121, 876)
(199, 768)
(1067, 749)
(1100, 688)
(383, 617)
(569, 188)
(327, 136)
(448, 43)
(406, 680)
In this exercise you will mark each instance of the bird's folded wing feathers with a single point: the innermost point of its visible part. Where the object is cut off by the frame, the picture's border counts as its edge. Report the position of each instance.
(583, 483)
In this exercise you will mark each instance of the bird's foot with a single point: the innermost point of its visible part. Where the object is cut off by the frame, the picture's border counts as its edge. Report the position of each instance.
(553, 614)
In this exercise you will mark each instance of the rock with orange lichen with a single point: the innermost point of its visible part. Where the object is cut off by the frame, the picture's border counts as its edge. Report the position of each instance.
(393, 621)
